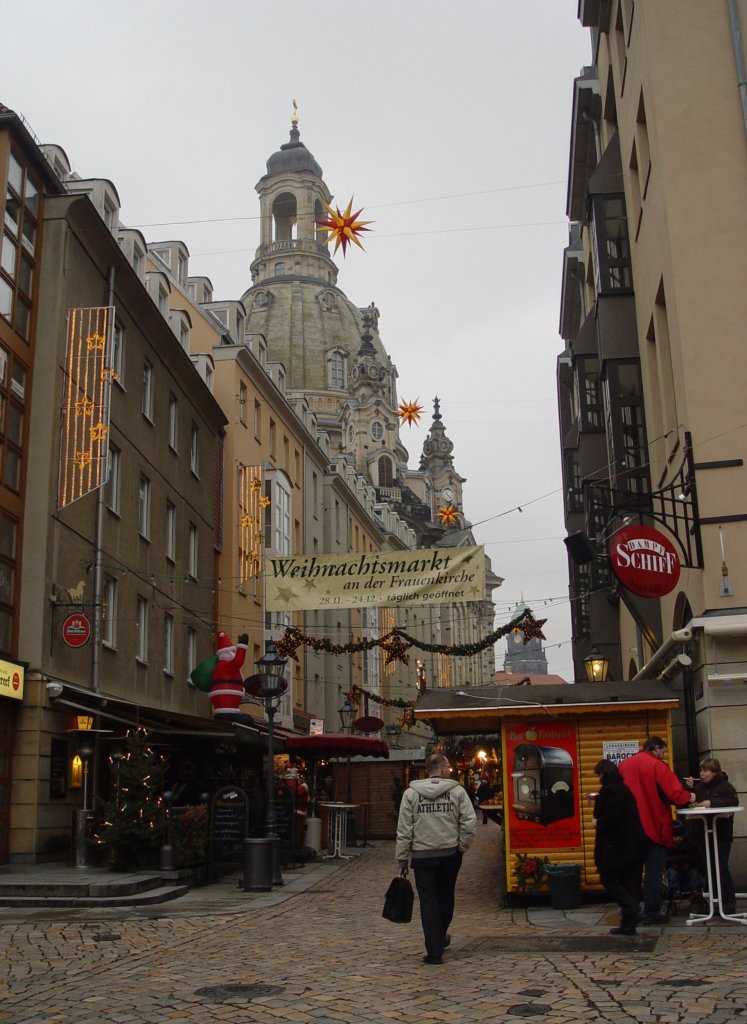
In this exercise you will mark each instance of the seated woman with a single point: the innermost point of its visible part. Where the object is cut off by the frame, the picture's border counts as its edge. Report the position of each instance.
(713, 789)
(619, 845)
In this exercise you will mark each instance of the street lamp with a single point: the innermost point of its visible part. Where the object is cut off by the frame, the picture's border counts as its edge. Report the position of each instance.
(596, 666)
(271, 689)
(347, 715)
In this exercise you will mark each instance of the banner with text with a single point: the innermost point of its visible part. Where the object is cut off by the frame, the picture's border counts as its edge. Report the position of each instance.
(431, 576)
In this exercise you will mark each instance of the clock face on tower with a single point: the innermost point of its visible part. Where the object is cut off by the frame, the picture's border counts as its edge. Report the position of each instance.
(448, 495)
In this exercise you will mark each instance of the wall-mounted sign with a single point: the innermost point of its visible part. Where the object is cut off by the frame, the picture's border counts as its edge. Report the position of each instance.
(76, 630)
(316, 727)
(617, 751)
(644, 561)
(11, 680)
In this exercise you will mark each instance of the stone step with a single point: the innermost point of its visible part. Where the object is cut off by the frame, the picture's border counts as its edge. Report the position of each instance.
(71, 886)
(160, 894)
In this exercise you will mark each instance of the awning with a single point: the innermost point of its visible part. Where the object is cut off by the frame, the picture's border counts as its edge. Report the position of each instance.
(336, 744)
(163, 722)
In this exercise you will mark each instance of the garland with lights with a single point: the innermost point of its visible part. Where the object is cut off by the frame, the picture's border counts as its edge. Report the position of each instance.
(396, 643)
(356, 692)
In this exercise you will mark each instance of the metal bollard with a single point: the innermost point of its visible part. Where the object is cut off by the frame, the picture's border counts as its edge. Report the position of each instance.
(257, 865)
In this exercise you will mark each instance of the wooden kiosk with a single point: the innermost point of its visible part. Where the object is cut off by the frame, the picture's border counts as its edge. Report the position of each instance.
(551, 738)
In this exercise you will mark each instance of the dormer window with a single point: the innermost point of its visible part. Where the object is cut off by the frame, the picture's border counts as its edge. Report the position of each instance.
(336, 364)
(261, 299)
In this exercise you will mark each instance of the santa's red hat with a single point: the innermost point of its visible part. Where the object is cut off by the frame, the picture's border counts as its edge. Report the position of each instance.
(223, 641)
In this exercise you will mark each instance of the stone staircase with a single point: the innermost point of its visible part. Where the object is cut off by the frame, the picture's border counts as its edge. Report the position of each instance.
(53, 886)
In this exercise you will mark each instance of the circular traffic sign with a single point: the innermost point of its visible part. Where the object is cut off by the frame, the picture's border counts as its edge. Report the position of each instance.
(76, 630)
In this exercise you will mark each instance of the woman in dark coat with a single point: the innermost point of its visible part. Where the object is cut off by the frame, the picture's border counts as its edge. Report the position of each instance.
(713, 789)
(619, 845)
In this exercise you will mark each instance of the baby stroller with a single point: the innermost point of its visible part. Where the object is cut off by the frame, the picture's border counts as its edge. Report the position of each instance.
(684, 879)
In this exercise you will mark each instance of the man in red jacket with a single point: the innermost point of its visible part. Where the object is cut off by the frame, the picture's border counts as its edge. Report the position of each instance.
(655, 788)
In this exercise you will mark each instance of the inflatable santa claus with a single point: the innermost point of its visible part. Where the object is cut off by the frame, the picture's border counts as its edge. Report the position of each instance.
(226, 681)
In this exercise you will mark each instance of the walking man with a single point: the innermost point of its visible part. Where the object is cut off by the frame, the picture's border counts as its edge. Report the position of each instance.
(655, 788)
(436, 825)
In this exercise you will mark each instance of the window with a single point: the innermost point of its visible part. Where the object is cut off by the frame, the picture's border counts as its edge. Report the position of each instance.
(172, 422)
(377, 430)
(162, 301)
(17, 247)
(257, 420)
(12, 415)
(168, 644)
(143, 511)
(386, 477)
(193, 553)
(141, 626)
(281, 543)
(181, 268)
(588, 393)
(611, 245)
(113, 486)
(109, 613)
(117, 353)
(171, 531)
(184, 336)
(147, 405)
(242, 402)
(337, 370)
(191, 650)
(194, 450)
(137, 261)
(272, 437)
(8, 553)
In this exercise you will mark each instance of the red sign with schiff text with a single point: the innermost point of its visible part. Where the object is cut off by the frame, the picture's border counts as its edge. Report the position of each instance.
(644, 561)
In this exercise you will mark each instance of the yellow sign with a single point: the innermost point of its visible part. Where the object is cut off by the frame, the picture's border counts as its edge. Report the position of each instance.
(11, 680)
(431, 576)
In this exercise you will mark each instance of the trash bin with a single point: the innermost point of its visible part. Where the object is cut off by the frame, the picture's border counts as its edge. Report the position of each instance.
(313, 837)
(565, 885)
(257, 865)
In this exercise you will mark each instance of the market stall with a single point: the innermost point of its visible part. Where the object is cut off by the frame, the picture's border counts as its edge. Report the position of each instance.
(551, 738)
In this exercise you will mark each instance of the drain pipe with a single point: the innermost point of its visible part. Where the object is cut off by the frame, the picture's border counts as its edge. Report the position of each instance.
(652, 666)
(736, 36)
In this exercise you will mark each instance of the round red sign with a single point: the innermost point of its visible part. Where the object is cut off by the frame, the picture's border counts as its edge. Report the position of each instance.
(16, 681)
(76, 630)
(644, 561)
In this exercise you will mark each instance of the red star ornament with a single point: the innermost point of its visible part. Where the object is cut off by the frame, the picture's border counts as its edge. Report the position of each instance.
(409, 412)
(344, 227)
(448, 515)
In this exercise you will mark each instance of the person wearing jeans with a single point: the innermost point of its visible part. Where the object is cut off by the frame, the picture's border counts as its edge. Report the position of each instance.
(436, 825)
(655, 788)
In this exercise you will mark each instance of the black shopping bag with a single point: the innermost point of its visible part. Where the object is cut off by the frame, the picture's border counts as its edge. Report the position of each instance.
(398, 901)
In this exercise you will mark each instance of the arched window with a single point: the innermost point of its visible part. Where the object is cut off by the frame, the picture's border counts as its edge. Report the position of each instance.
(386, 478)
(285, 217)
(337, 369)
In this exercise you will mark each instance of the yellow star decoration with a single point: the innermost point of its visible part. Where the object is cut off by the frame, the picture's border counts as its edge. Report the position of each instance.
(95, 342)
(264, 502)
(247, 520)
(409, 412)
(84, 407)
(344, 227)
(99, 431)
(256, 484)
(109, 374)
(81, 460)
(448, 515)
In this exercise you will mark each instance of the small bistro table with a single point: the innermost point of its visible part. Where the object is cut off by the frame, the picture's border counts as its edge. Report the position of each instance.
(338, 818)
(708, 817)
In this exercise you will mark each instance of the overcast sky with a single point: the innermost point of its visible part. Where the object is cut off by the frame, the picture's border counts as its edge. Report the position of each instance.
(449, 123)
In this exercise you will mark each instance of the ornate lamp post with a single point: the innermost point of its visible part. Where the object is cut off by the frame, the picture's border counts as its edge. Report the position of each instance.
(596, 666)
(271, 689)
(347, 715)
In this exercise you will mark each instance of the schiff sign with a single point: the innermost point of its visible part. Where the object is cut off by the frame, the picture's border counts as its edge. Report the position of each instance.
(375, 580)
(11, 680)
(644, 561)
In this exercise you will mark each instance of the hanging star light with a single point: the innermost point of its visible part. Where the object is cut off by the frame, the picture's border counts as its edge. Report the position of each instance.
(344, 227)
(409, 412)
(448, 515)
(531, 627)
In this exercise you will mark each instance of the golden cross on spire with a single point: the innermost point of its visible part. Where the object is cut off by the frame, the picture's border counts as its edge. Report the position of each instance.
(294, 115)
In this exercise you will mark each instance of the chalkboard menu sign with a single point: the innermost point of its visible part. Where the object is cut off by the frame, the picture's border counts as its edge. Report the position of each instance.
(229, 820)
(58, 769)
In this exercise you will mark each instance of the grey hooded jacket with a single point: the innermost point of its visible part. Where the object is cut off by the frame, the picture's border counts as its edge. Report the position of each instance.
(436, 818)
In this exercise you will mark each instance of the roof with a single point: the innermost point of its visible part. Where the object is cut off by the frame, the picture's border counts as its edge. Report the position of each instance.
(533, 678)
(480, 709)
(292, 157)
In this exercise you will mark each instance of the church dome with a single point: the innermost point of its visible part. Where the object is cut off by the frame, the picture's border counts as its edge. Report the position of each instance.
(293, 157)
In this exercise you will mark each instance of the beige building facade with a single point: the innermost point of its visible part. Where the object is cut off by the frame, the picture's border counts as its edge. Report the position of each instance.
(652, 316)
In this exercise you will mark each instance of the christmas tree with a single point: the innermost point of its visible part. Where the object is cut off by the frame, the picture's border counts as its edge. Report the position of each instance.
(134, 821)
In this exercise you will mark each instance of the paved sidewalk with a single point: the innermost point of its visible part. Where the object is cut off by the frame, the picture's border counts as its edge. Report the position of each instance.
(318, 952)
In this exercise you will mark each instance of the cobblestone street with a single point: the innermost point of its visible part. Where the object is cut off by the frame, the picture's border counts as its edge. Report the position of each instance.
(324, 955)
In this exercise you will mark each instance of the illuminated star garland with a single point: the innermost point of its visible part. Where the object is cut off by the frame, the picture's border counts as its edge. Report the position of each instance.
(344, 227)
(396, 643)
